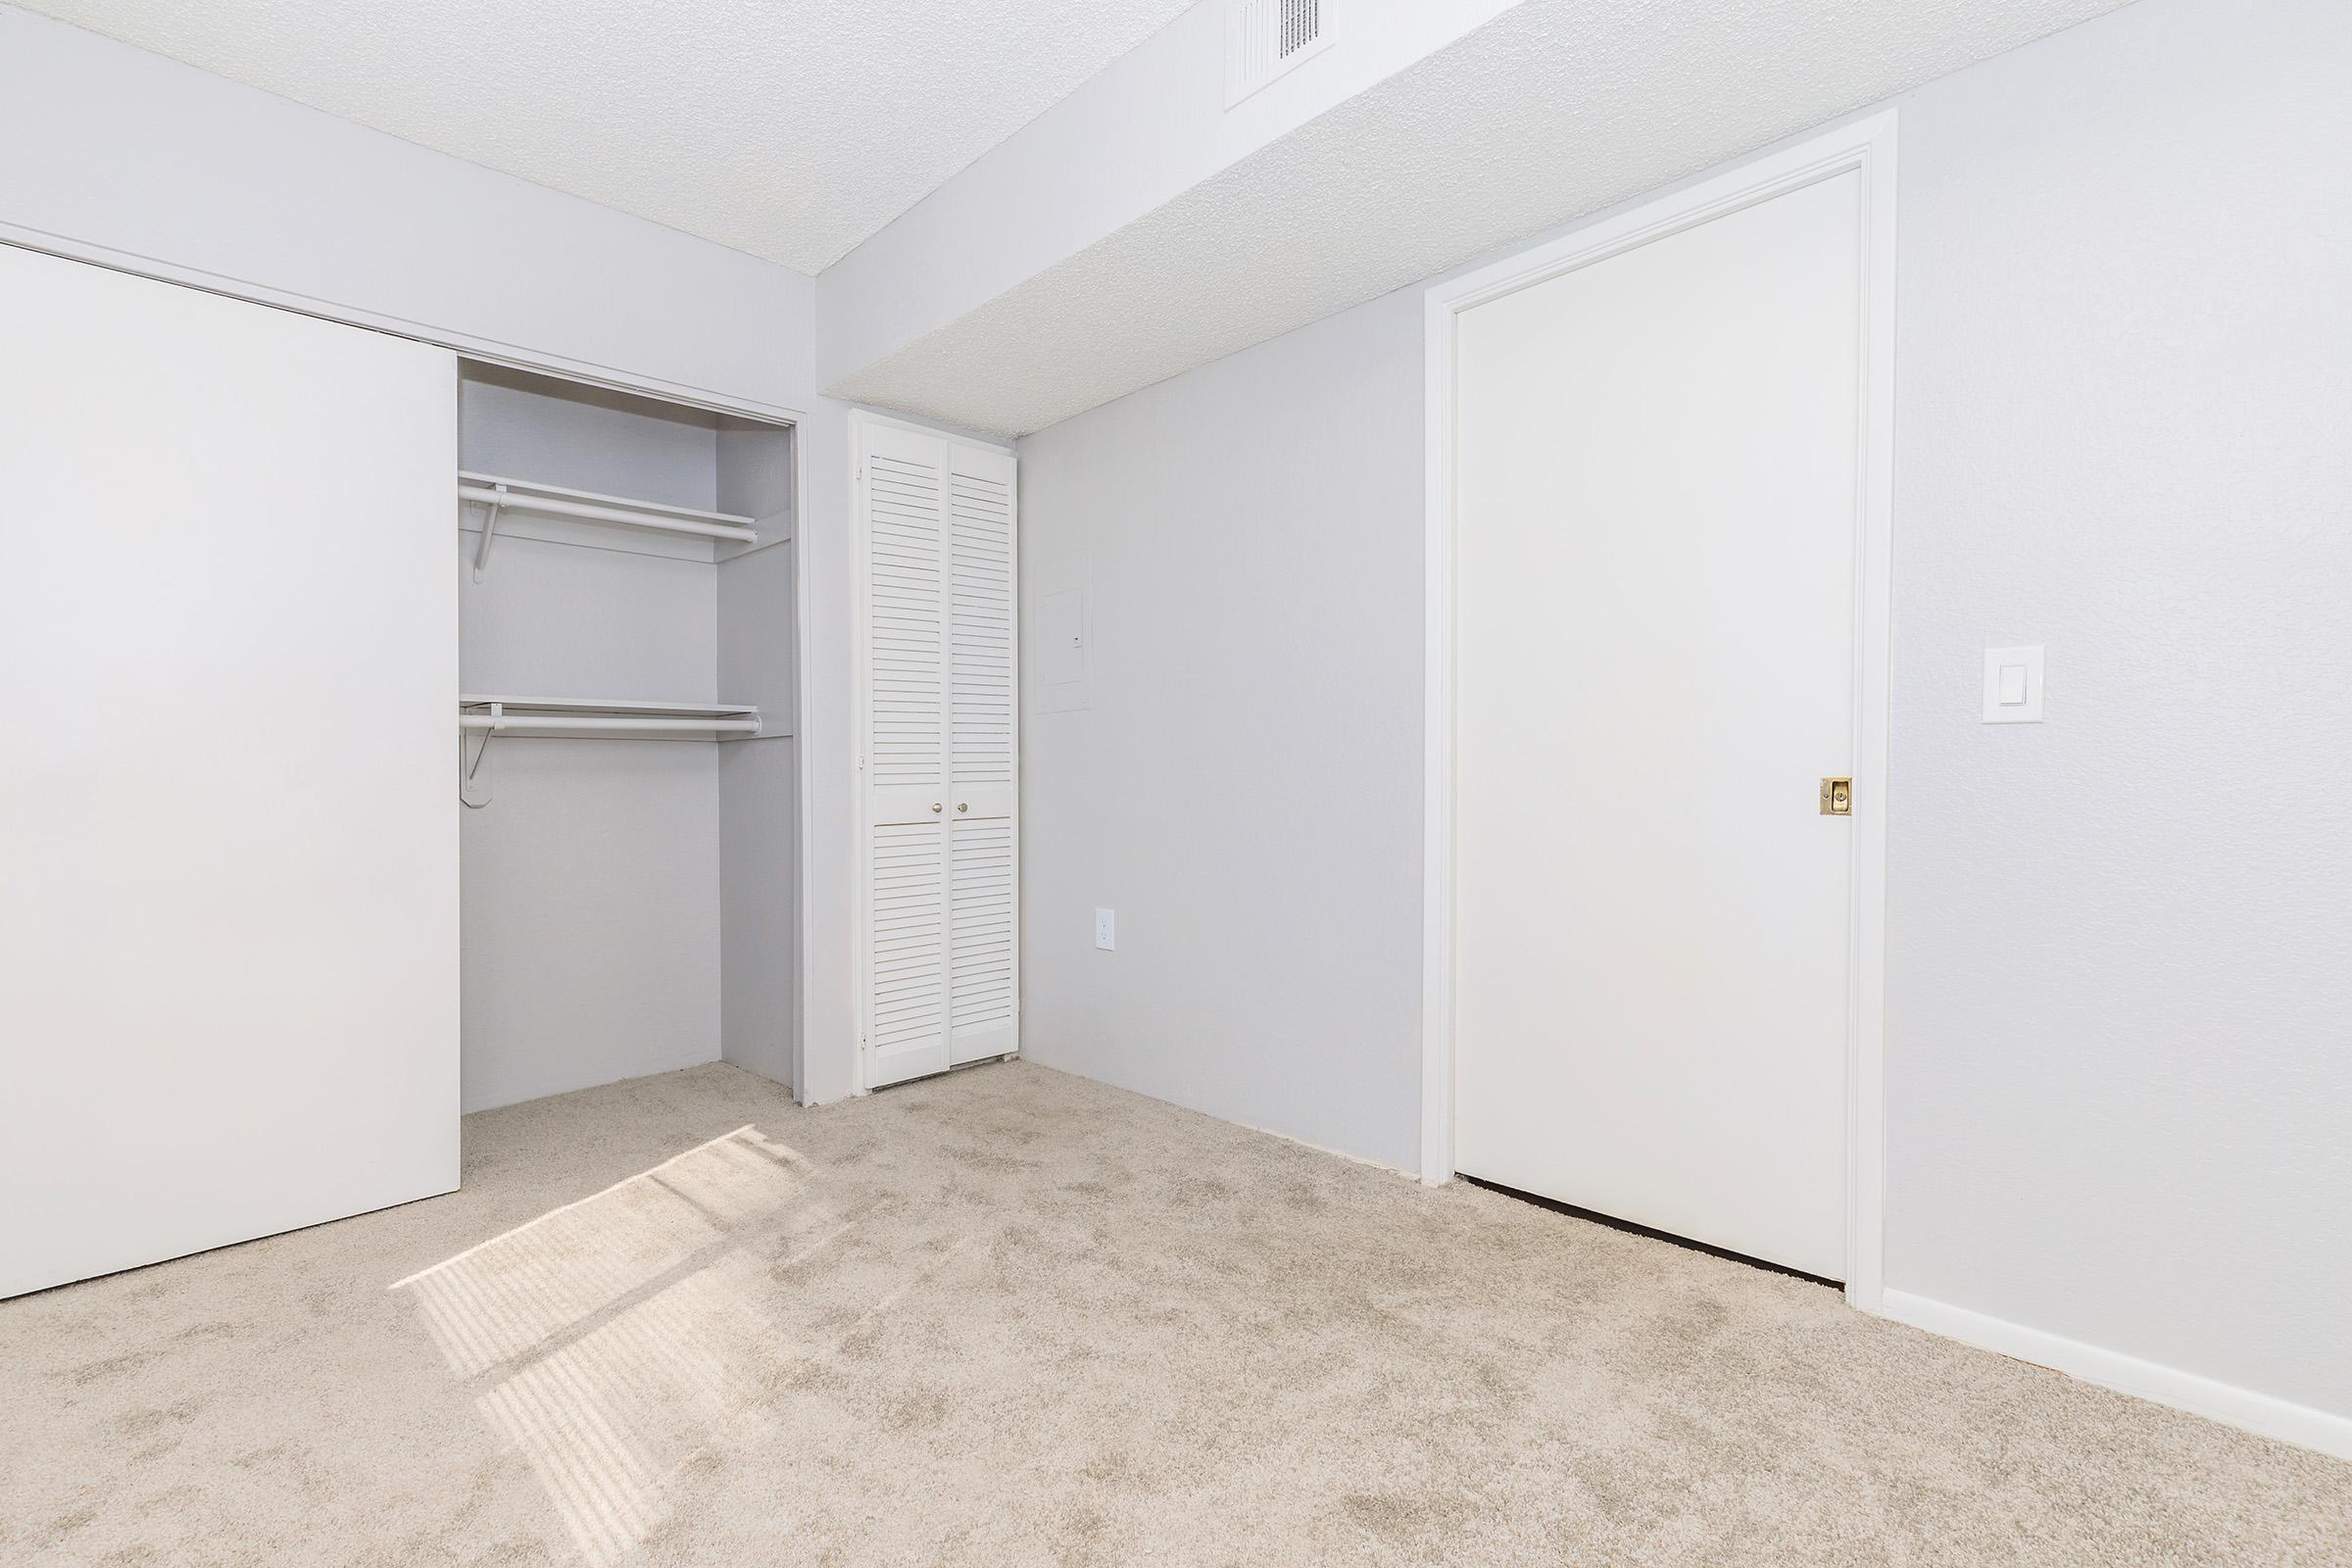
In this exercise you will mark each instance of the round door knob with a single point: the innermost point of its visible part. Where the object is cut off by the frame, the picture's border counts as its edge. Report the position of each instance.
(935, 805)
(960, 807)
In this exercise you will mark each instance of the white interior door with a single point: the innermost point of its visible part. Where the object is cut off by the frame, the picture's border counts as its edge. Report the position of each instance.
(228, 880)
(940, 752)
(1657, 524)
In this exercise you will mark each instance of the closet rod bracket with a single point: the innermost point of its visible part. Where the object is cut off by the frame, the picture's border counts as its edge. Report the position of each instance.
(482, 554)
(498, 716)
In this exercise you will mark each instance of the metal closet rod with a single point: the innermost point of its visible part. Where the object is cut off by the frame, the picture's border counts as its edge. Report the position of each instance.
(513, 500)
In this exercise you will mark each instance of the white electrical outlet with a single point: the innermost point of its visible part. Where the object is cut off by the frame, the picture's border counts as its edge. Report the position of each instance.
(1106, 929)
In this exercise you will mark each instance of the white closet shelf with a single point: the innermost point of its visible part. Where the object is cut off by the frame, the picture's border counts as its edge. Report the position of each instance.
(527, 495)
(500, 493)
(601, 715)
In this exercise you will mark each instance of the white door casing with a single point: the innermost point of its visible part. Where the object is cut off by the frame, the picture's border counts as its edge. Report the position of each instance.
(229, 915)
(1651, 790)
(938, 958)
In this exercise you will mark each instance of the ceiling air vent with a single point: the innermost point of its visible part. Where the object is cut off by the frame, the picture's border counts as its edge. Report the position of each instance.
(1264, 38)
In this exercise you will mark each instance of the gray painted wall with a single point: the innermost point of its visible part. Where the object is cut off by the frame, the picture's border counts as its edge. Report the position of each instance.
(2121, 944)
(1245, 788)
(2120, 959)
(758, 782)
(590, 916)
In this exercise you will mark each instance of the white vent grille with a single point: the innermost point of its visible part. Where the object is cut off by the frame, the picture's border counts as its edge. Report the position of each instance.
(1264, 38)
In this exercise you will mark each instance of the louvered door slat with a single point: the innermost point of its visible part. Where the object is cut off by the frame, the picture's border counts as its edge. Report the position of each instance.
(906, 618)
(980, 900)
(980, 500)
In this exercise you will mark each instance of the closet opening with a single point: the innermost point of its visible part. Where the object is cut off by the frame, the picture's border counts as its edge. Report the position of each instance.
(626, 764)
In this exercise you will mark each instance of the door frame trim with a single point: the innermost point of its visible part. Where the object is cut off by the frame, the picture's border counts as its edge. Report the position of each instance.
(1865, 145)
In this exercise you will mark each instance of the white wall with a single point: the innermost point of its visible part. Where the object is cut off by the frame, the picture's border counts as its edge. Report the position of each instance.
(2120, 966)
(121, 155)
(2120, 943)
(1244, 788)
(828, 1066)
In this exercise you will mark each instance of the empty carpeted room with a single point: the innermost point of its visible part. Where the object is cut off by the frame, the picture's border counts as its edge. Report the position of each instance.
(888, 782)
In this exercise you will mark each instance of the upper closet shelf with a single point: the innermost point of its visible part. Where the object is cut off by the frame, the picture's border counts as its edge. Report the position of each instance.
(499, 493)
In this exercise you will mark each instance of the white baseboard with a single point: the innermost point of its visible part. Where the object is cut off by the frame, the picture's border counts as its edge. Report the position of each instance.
(1336, 1153)
(2267, 1414)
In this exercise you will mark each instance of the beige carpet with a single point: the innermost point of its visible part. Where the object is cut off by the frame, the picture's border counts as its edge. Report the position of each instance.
(1013, 1317)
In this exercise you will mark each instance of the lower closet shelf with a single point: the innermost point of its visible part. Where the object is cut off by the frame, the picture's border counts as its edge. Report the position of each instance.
(595, 718)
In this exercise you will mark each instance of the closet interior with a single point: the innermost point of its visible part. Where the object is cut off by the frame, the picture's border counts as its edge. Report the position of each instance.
(626, 769)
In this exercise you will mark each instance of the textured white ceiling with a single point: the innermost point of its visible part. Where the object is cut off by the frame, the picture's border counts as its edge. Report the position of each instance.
(1555, 109)
(787, 128)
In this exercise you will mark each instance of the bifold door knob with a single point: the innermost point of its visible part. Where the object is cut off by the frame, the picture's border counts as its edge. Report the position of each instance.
(935, 805)
(961, 807)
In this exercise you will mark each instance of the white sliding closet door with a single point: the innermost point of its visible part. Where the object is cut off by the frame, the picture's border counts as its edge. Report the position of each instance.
(228, 879)
(940, 950)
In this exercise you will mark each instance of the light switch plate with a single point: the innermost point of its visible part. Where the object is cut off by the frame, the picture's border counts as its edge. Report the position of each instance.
(1106, 929)
(2013, 685)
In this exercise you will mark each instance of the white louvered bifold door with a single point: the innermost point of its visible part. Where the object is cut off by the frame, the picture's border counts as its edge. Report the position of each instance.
(939, 961)
(905, 754)
(982, 939)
